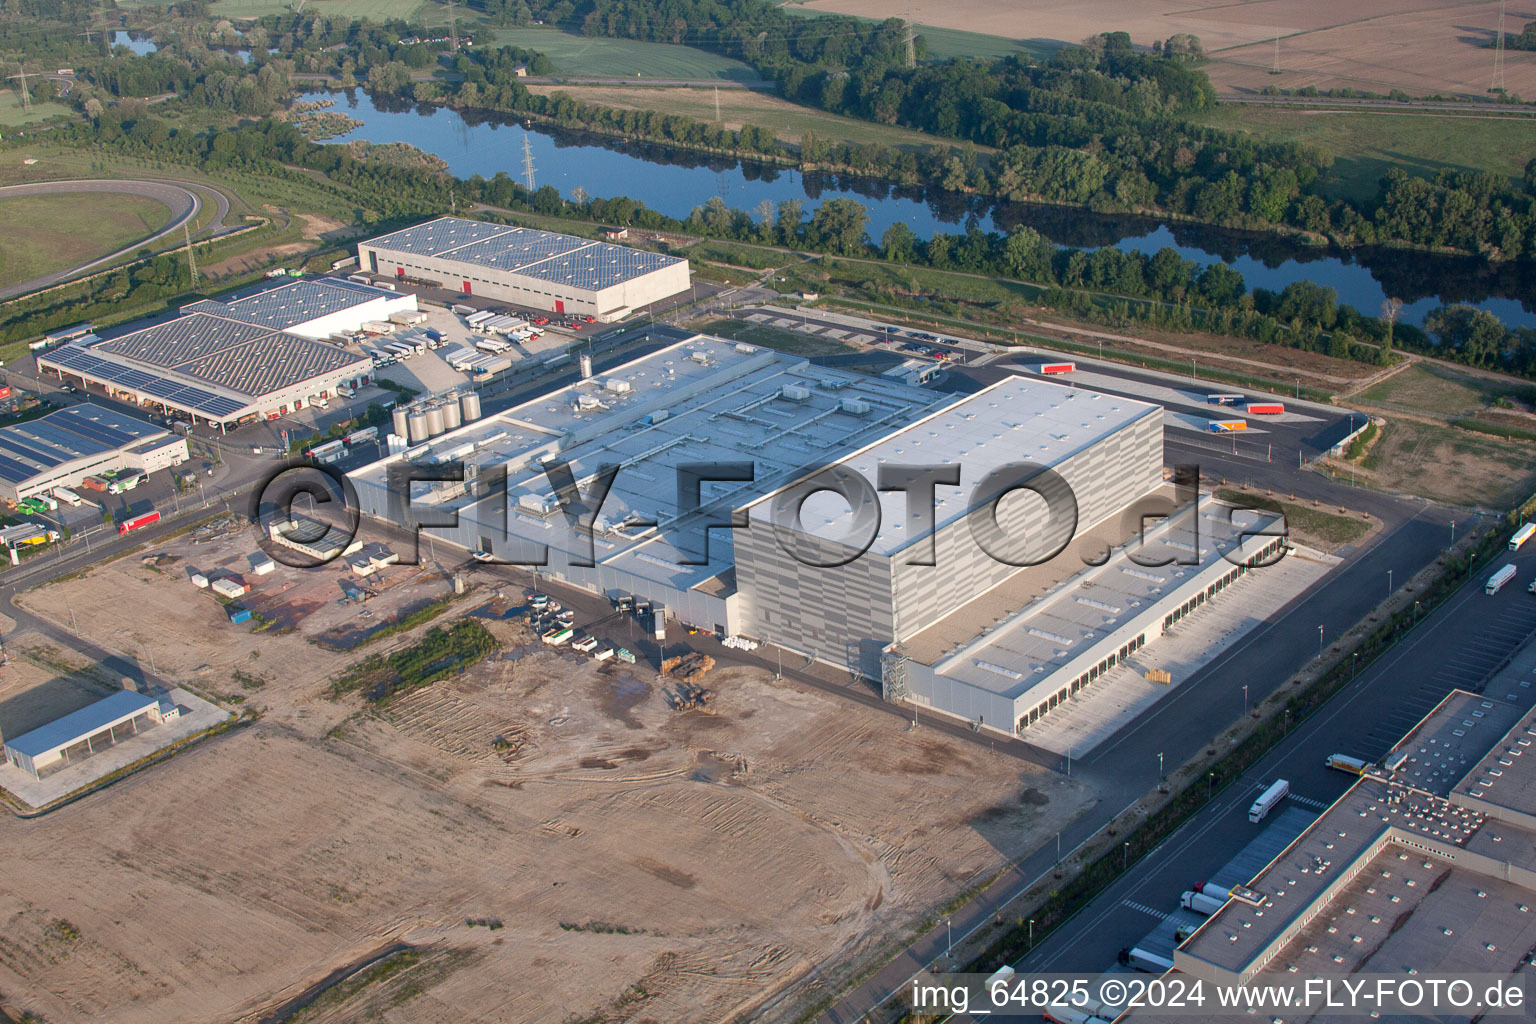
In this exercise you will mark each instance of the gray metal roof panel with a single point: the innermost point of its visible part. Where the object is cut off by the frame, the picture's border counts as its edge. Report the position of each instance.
(81, 723)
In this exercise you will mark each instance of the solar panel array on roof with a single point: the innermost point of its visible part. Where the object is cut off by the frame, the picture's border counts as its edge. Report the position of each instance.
(545, 255)
(437, 236)
(290, 304)
(27, 449)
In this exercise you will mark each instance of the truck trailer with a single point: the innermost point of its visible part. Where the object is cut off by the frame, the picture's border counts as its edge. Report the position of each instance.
(1345, 763)
(1200, 903)
(1267, 800)
(1522, 535)
(1497, 580)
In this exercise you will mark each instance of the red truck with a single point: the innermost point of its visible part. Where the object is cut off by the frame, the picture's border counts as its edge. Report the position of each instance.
(129, 525)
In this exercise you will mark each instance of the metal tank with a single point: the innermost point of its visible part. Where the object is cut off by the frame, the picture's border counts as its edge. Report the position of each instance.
(416, 423)
(451, 419)
(434, 420)
(400, 420)
(469, 403)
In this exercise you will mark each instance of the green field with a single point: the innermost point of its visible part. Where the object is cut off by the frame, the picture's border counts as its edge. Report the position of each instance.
(793, 342)
(373, 10)
(1364, 144)
(49, 233)
(1437, 389)
(623, 58)
(13, 114)
(788, 121)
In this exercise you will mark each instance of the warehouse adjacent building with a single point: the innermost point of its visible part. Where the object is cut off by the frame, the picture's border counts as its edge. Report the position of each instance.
(532, 268)
(235, 361)
(62, 448)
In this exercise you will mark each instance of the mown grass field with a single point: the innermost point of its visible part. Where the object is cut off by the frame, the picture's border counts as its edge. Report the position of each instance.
(625, 58)
(1316, 527)
(1364, 144)
(48, 233)
(788, 121)
(13, 114)
(945, 43)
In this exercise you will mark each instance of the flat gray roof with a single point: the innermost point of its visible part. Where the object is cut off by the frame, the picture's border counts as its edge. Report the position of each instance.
(704, 400)
(1013, 420)
(1505, 776)
(78, 724)
(545, 255)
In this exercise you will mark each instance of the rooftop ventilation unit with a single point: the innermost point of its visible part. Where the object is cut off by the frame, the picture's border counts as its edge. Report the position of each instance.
(702, 358)
(854, 406)
(796, 393)
(588, 402)
(746, 350)
(538, 504)
(618, 386)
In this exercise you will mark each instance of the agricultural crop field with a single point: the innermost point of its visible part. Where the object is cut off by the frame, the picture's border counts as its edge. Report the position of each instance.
(373, 10)
(1375, 45)
(624, 58)
(48, 233)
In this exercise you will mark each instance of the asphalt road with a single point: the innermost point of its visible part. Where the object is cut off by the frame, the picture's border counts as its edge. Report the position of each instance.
(183, 201)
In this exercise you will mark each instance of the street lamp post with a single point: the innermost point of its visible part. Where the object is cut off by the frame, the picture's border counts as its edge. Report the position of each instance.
(950, 938)
(1210, 783)
(1319, 641)
(1389, 582)
(1125, 857)
(1245, 700)
(1031, 933)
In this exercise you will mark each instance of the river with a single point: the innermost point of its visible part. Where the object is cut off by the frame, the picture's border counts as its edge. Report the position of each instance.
(673, 183)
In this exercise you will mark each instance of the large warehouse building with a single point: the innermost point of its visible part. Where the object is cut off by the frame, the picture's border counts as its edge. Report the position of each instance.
(758, 425)
(227, 362)
(64, 447)
(536, 269)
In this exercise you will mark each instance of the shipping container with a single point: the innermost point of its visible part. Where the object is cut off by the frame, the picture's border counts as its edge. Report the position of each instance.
(237, 614)
(137, 522)
(199, 581)
(94, 483)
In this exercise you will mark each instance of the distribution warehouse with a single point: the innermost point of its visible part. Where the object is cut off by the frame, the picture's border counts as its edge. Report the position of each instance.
(64, 447)
(839, 577)
(536, 269)
(225, 362)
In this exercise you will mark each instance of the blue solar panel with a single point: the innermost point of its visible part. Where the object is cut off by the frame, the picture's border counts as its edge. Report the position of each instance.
(15, 446)
(107, 435)
(14, 472)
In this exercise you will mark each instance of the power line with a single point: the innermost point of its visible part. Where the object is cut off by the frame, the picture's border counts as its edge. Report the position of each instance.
(527, 163)
(1498, 55)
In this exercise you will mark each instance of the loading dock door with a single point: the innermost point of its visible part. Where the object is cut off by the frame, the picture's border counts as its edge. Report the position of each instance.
(400, 273)
(559, 305)
(466, 287)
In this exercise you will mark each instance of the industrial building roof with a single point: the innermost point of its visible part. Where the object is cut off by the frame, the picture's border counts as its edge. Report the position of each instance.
(77, 725)
(1400, 823)
(545, 255)
(288, 305)
(1012, 421)
(704, 400)
(210, 363)
(79, 431)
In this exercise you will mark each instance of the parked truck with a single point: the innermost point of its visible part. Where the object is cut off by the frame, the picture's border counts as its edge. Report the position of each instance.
(1345, 763)
(137, 522)
(1522, 535)
(1497, 580)
(1142, 960)
(1267, 800)
(1200, 903)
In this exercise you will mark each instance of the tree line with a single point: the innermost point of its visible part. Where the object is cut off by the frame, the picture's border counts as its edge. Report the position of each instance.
(1104, 284)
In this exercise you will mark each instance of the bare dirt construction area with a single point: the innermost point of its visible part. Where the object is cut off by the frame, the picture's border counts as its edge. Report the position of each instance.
(1424, 48)
(551, 836)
